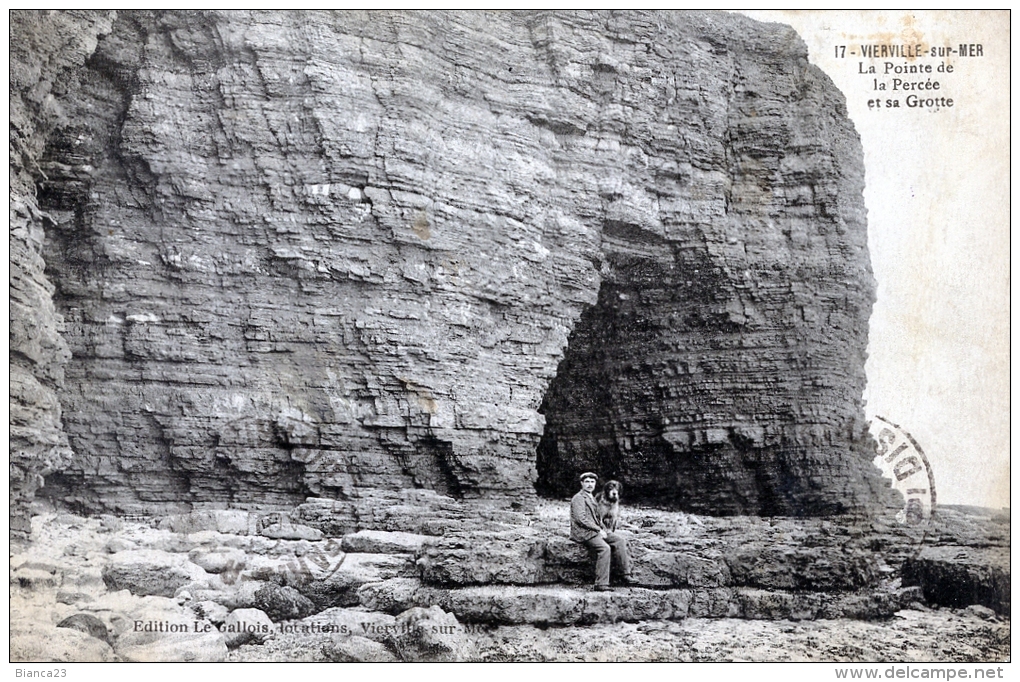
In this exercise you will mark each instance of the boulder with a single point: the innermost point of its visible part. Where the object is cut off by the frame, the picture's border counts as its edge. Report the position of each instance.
(34, 579)
(218, 560)
(122, 611)
(535, 556)
(356, 649)
(243, 594)
(212, 540)
(529, 556)
(982, 612)
(246, 625)
(81, 584)
(152, 628)
(73, 597)
(283, 570)
(88, 579)
(315, 639)
(34, 642)
(870, 604)
(390, 596)
(294, 563)
(118, 544)
(209, 610)
(147, 537)
(87, 623)
(283, 603)
(429, 634)
(565, 561)
(678, 569)
(150, 572)
(339, 587)
(558, 605)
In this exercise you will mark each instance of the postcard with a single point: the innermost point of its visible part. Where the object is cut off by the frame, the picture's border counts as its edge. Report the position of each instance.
(517, 336)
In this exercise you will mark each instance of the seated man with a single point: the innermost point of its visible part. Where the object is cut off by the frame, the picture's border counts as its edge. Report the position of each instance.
(586, 528)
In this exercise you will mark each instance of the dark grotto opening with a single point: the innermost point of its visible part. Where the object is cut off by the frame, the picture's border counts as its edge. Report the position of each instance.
(696, 394)
(605, 411)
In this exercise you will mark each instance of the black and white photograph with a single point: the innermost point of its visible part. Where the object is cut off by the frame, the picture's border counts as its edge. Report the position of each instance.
(505, 336)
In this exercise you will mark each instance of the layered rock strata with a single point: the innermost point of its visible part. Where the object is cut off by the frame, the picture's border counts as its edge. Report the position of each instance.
(301, 254)
(47, 53)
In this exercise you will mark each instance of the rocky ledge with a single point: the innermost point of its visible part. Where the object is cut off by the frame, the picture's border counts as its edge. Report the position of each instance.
(417, 576)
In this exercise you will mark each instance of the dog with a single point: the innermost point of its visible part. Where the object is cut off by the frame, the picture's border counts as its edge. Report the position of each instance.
(609, 505)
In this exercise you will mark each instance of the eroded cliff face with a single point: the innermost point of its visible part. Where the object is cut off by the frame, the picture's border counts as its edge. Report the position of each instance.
(47, 53)
(300, 254)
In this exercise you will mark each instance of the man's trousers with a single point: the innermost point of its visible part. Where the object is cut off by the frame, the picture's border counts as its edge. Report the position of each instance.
(613, 547)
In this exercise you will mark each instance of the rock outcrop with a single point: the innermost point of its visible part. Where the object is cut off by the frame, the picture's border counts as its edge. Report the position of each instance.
(47, 53)
(300, 254)
(966, 559)
(374, 595)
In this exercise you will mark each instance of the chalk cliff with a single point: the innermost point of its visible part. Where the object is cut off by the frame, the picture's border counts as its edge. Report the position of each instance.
(300, 254)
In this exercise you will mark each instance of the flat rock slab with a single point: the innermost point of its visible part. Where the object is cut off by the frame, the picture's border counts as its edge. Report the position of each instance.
(959, 576)
(382, 542)
(415, 511)
(562, 605)
(230, 521)
(291, 531)
(530, 556)
(513, 557)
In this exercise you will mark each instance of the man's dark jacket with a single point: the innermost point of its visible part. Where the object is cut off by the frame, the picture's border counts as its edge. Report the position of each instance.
(584, 523)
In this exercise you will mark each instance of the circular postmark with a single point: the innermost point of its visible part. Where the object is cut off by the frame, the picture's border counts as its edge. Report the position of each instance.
(902, 460)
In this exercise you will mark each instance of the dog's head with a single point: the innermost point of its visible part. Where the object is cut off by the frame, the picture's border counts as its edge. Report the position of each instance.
(612, 490)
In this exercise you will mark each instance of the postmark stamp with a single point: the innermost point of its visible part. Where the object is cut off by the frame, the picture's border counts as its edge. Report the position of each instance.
(902, 460)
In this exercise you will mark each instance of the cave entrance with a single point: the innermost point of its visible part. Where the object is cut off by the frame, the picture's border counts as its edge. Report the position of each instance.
(601, 415)
(653, 390)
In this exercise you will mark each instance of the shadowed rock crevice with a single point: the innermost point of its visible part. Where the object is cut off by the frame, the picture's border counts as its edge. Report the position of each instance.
(694, 390)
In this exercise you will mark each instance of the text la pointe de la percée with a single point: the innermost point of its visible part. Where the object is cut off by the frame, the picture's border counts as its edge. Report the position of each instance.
(241, 626)
(921, 93)
(924, 86)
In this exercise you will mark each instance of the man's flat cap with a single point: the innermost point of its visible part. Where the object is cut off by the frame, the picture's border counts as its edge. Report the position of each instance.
(588, 474)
